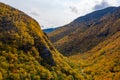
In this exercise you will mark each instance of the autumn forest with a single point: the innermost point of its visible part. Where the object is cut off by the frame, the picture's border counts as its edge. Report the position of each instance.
(88, 48)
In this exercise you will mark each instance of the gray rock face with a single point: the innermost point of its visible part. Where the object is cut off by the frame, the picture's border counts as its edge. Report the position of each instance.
(47, 56)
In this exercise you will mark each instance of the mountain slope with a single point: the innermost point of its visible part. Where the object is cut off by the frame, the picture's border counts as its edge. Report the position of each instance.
(87, 31)
(26, 53)
(49, 30)
(103, 61)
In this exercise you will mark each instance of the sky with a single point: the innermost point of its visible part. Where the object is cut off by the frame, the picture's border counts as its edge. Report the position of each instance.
(56, 13)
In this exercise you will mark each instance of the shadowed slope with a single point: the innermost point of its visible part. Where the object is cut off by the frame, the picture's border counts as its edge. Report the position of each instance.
(86, 32)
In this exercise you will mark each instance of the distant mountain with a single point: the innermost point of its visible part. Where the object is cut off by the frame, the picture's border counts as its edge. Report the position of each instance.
(49, 30)
(86, 32)
(26, 53)
(94, 16)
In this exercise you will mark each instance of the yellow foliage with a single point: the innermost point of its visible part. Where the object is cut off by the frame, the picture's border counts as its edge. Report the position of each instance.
(1, 77)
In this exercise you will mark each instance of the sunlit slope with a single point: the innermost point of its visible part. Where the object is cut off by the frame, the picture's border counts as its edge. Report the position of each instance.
(26, 53)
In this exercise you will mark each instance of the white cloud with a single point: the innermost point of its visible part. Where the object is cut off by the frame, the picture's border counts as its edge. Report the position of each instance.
(35, 12)
(102, 5)
(73, 9)
(54, 13)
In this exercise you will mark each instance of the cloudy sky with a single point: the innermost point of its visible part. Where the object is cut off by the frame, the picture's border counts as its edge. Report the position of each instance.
(55, 13)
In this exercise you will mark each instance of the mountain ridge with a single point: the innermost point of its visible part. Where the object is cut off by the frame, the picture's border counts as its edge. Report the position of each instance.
(73, 37)
(96, 14)
(48, 30)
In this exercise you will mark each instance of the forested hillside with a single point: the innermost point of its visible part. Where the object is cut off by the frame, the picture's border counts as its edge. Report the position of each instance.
(87, 31)
(26, 53)
(93, 43)
(103, 61)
